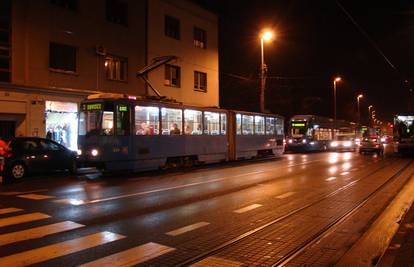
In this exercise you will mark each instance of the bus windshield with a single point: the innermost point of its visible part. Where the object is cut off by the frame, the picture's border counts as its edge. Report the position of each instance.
(93, 120)
(404, 126)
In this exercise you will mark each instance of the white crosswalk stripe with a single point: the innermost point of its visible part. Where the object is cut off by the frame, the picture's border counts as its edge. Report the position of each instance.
(23, 218)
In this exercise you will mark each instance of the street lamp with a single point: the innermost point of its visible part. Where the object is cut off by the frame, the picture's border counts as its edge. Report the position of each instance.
(369, 114)
(359, 113)
(337, 79)
(266, 35)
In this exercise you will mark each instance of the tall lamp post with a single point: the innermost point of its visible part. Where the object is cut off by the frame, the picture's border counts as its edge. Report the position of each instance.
(266, 35)
(337, 79)
(369, 114)
(359, 113)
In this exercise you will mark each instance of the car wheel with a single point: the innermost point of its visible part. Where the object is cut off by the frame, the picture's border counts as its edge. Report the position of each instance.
(73, 167)
(17, 171)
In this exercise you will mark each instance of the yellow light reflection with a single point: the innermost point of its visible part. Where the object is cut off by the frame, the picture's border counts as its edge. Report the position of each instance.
(333, 158)
(347, 156)
(346, 166)
(333, 169)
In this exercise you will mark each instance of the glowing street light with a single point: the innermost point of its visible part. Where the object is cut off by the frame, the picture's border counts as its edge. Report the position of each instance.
(337, 79)
(359, 113)
(266, 35)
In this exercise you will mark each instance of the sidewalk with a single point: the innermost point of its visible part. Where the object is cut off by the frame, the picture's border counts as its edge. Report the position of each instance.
(401, 249)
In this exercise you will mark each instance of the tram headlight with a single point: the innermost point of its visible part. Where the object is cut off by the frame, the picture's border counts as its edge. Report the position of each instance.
(94, 152)
(290, 141)
(334, 144)
(79, 152)
(304, 141)
(312, 143)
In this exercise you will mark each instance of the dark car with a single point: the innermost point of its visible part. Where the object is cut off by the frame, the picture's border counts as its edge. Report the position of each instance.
(26, 155)
(371, 144)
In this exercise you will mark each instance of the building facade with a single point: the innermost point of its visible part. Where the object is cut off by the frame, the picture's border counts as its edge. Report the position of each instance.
(53, 53)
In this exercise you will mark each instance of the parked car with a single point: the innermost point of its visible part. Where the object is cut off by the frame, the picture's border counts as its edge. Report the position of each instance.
(371, 144)
(30, 155)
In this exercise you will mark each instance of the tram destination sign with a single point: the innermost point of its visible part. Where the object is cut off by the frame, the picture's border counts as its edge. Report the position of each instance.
(92, 106)
(298, 124)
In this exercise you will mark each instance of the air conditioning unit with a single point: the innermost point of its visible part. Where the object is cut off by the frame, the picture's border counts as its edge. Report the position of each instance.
(100, 50)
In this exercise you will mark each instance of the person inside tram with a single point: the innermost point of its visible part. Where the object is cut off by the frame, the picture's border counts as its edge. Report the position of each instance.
(187, 129)
(175, 130)
(143, 129)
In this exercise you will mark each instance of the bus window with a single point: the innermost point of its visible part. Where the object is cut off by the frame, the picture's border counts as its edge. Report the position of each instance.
(147, 120)
(123, 120)
(238, 124)
(171, 121)
(223, 123)
(270, 125)
(247, 124)
(259, 125)
(192, 122)
(211, 123)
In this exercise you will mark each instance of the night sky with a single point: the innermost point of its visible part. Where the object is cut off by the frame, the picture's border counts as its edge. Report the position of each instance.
(315, 42)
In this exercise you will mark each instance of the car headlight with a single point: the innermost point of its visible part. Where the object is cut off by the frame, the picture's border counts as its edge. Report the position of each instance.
(334, 144)
(79, 152)
(94, 152)
(290, 141)
(348, 144)
(304, 141)
(383, 139)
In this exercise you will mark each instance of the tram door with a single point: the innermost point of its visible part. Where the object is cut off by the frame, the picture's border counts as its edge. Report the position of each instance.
(7, 129)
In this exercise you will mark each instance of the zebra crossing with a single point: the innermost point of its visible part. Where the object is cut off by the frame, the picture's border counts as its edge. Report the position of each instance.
(12, 217)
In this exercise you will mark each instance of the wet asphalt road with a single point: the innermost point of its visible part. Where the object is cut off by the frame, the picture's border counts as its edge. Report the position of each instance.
(166, 218)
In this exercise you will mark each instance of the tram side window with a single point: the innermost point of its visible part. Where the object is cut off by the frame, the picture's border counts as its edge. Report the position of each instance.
(279, 126)
(171, 121)
(211, 123)
(123, 120)
(259, 125)
(248, 124)
(238, 123)
(270, 125)
(223, 123)
(147, 120)
(192, 122)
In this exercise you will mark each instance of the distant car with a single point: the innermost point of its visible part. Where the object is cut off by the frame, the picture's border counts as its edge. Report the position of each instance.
(30, 155)
(386, 139)
(371, 144)
(343, 143)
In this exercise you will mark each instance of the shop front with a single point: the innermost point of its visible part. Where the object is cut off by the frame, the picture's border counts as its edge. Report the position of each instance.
(61, 121)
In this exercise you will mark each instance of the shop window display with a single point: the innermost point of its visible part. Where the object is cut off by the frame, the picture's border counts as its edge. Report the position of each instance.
(62, 123)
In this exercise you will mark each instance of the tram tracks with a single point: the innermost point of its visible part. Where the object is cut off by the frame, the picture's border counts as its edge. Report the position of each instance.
(289, 255)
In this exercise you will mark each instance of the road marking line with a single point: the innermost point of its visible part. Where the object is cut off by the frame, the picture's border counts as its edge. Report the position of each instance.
(248, 208)
(9, 210)
(35, 196)
(38, 232)
(285, 195)
(217, 261)
(23, 218)
(12, 193)
(49, 252)
(76, 202)
(187, 228)
(330, 178)
(344, 173)
(131, 256)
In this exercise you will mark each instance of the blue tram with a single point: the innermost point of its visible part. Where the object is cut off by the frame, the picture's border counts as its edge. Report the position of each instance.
(117, 132)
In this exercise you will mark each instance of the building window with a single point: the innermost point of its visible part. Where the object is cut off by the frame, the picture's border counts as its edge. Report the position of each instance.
(172, 75)
(200, 38)
(116, 68)
(172, 27)
(69, 4)
(117, 12)
(62, 57)
(200, 81)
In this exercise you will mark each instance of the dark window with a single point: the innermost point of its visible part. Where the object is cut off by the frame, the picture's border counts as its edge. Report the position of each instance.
(30, 145)
(117, 12)
(62, 57)
(5, 42)
(123, 120)
(69, 4)
(200, 38)
(49, 146)
(116, 68)
(200, 81)
(172, 75)
(172, 27)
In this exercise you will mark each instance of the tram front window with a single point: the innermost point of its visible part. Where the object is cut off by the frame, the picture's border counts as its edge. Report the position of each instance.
(96, 122)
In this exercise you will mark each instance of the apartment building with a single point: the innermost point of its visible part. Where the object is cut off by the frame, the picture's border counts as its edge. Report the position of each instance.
(53, 53)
